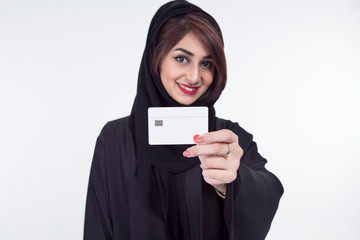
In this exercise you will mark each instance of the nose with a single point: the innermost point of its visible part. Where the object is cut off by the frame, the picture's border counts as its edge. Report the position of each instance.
(193, 74)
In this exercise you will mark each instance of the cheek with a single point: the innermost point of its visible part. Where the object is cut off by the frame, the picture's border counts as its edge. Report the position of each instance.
(208, 79)
(168, 73)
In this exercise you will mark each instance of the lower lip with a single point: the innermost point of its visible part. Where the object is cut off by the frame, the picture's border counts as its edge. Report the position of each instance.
(188, 92)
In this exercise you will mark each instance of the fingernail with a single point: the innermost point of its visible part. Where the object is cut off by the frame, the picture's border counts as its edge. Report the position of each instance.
(199, 140)
(196, 136)
(186, 153)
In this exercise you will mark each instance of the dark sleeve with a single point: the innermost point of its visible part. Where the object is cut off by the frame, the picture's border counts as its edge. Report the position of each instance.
(97, 214)
(252, 199)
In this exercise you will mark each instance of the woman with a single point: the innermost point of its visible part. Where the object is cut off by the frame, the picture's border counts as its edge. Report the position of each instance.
(216, 189)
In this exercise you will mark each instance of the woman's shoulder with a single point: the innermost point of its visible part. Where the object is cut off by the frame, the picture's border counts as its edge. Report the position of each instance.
(244, 137)
(115, 130)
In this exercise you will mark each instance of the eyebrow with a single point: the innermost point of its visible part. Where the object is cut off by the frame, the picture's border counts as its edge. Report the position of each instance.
(190, 53)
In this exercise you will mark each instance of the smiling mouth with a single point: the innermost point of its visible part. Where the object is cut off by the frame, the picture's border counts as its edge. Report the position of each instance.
(187, 89)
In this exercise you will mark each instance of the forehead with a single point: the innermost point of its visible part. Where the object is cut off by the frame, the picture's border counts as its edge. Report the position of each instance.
(192, 43)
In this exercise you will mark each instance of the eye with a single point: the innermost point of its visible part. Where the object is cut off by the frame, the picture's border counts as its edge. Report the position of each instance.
(206, 64)
(181, 59)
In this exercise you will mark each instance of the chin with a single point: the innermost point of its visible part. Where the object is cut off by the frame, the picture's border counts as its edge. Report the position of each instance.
(185, 101)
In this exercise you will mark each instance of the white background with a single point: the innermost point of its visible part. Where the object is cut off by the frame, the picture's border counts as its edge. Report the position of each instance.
(67, 67)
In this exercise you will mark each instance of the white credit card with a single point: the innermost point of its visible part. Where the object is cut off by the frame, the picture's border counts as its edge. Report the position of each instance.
(176, 125)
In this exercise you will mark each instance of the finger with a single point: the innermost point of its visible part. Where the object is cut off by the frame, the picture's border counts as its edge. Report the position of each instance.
(215, 149)
(222, 136)
(214, 162)
(213, 182)
(219, 175)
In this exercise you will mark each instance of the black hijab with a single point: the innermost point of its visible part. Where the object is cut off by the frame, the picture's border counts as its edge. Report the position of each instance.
(159, 167)
(151, 93)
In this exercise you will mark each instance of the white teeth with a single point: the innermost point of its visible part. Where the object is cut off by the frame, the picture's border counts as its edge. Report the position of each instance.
(187, 88)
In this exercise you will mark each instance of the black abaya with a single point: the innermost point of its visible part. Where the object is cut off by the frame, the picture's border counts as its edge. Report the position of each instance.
(117, 207)
(138, 191)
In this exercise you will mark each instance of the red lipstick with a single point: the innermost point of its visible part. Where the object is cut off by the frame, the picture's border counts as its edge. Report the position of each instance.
(188, 89)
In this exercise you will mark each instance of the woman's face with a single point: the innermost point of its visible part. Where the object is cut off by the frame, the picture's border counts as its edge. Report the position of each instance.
(187, 70)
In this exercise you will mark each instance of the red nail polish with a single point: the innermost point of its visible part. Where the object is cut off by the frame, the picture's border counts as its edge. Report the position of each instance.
(196, 136)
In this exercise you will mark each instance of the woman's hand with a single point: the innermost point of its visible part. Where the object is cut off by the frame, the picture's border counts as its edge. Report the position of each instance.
(219, 167)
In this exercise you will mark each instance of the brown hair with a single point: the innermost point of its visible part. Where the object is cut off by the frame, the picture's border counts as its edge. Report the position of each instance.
(208, 32)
